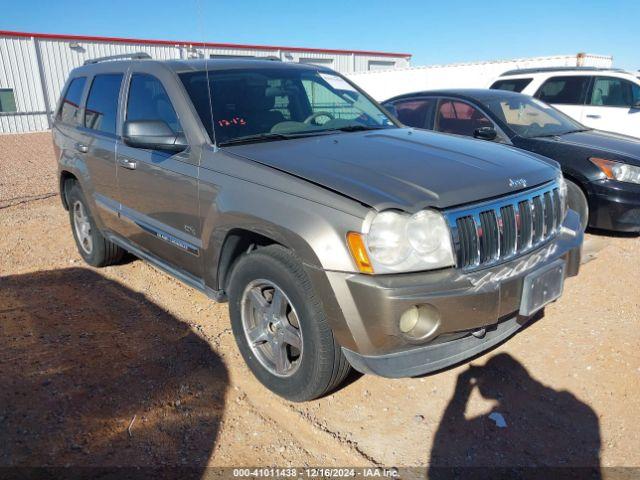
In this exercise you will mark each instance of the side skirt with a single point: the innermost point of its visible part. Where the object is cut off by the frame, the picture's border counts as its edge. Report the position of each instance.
(187, 279)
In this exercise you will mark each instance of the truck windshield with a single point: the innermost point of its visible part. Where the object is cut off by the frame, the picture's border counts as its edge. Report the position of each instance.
(529, 117)
(265, 104)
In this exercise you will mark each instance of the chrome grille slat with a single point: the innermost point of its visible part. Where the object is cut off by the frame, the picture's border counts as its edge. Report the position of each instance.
(477, 229)
(526, 224)
(549, 213)
(509, 228)
(557, 207)
(496, 231)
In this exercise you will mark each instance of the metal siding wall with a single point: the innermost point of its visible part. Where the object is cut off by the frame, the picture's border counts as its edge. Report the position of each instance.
(385, 84)
(362, 62)
(59, 58)
(19, 69)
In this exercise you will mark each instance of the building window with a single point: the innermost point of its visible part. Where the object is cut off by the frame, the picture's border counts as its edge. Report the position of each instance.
(321, 62)
(375, 65)
(238, 55)
(7, 100)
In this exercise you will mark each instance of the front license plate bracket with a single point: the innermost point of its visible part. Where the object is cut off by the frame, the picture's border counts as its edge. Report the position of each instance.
(542, 287)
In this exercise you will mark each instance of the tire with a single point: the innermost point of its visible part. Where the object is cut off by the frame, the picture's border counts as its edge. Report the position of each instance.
(92, 246)
(577, 201)
(320, 365)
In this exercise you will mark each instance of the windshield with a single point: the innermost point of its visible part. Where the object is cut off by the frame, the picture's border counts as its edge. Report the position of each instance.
(529, 117)
(279, 103)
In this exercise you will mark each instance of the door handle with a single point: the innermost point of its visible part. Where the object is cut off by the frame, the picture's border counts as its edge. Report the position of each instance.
(593, 116)
(82, 148)
(129, 164)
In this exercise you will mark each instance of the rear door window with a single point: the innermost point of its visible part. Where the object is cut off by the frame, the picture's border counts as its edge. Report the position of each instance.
(416, 112)
(101, 111)
(460, 118)
(71, 100)
(513, 85)
(612, 92)
(567, 90)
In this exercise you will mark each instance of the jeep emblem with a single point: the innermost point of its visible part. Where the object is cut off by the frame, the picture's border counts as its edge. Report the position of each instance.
(517, 183)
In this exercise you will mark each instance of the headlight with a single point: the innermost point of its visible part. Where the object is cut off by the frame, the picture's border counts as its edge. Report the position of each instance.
(622, 172)
(398, 242)
(387, 239)
(562, 191)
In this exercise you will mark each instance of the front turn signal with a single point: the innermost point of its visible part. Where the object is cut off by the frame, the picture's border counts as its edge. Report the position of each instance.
(359, 252)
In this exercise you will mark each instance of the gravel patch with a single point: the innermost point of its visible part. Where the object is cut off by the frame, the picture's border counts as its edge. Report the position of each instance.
(27, 168)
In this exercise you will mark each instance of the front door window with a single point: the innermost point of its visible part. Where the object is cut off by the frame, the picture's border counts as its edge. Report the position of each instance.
(460, 118)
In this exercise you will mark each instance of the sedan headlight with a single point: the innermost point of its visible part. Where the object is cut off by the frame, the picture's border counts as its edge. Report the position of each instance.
(398, 242)
(622, 172)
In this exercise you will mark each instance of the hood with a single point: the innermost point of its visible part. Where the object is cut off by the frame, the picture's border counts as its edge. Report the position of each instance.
(403, 168)
(605, 144)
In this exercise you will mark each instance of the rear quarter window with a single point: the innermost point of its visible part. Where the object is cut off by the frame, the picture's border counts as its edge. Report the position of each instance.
(513, 85)
(71, 101)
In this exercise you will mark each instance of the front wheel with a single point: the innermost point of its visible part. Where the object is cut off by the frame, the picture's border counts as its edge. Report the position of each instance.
(280, 326)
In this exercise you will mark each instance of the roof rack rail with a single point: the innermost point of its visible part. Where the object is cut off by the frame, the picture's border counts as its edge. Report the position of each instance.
(124, 56)
(519, 71)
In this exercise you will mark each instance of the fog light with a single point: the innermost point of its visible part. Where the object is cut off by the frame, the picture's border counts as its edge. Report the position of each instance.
(419, 322)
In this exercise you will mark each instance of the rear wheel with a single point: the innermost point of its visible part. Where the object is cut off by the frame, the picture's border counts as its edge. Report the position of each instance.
(280, 327)
(577, 201)
(94, 248)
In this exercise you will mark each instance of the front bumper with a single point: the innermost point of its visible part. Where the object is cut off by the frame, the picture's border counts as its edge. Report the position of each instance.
(483, 303)
(614, 206)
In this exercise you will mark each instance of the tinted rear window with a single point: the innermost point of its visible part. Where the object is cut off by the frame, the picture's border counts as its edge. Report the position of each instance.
(415, 112)
(102, 104)
(513, 85)
(564, 90)
(71, 101)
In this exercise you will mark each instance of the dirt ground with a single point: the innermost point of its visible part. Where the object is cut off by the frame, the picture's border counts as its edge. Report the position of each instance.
(126, 366)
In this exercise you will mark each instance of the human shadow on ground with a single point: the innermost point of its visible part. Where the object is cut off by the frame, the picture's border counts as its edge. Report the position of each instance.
(97, 375)
(546, 433)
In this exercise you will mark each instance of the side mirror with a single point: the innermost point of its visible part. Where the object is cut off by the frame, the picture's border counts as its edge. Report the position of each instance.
(485, 133)
(391, 109)
(153, 135)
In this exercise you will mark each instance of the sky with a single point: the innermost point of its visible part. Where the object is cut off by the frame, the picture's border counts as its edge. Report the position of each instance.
(434, 32)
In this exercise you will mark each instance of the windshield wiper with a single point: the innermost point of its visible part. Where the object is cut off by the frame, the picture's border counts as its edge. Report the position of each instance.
(559, 134)
(356, 128)
(265, 137)
(260, 137)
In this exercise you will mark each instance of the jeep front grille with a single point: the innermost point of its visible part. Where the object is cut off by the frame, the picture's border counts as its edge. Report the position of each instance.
(498, 230)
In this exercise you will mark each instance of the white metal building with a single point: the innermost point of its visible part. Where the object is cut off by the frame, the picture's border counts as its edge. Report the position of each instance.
(383, 85)
(34, 66)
